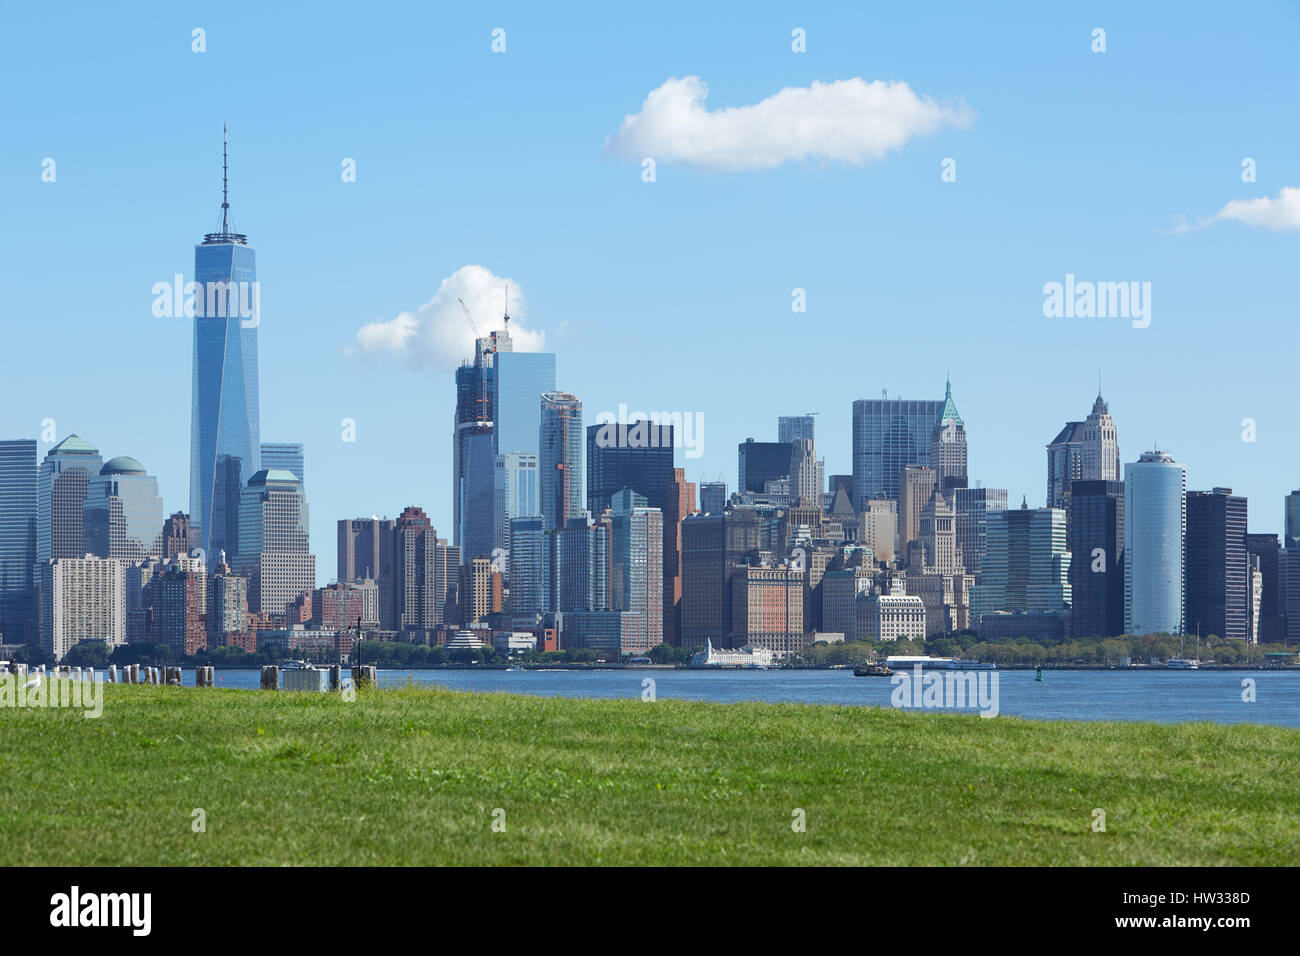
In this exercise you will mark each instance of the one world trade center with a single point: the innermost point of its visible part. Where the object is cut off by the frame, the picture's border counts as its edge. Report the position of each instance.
(225, 439)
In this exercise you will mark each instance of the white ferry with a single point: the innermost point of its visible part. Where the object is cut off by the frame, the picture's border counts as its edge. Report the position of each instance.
(1183, 664)
(907, 662)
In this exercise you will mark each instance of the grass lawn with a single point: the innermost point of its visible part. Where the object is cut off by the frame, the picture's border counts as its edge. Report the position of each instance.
(414, 776)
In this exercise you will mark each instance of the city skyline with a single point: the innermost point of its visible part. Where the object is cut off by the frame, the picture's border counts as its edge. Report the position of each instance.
(990, 332)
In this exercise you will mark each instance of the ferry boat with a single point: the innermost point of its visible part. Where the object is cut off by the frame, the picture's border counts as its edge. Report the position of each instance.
(873, 670)
(939, 663)
(1183, 664)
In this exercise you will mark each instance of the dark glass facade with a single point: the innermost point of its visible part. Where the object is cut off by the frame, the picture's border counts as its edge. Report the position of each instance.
(1096, 537)
(1216, 564)
(637, 456)
(889, 435)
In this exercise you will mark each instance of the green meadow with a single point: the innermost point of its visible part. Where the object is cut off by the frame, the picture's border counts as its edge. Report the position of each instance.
(187, 776)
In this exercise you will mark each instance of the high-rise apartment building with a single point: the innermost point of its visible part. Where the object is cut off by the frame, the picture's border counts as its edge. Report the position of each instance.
(425, 571)
(768, 608)
(180, 596)
(361, 548)
(82, 599)
(1096, 540)
(1217, 583)
(636, 567)
(582, 565)
(225, 416)
(1155, 522)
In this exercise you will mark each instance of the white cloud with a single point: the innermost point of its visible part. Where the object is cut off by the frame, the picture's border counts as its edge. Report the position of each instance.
(1280, 212)
(436, 334)
(847, 121)
(1277, 213)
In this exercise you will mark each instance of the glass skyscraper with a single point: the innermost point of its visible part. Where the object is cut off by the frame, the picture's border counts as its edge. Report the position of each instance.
(888, 435)
(123, 514)
(1155, 522)
(559, 464)
(285, 456)
(521, 380)
(17, 540)
(225, 421)
(64, 478)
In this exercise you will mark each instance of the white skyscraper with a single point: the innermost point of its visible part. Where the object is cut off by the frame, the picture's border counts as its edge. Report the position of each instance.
(1155, 522)
(1100, 444)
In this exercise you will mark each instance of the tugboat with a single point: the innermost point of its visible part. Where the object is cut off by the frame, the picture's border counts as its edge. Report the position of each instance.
(873, 670)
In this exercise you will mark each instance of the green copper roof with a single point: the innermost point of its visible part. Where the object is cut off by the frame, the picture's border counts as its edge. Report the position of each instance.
(272, 474)
(950, 408)
(74, 444)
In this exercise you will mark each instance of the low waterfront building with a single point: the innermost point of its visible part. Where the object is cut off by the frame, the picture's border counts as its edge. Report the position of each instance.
(747, 656)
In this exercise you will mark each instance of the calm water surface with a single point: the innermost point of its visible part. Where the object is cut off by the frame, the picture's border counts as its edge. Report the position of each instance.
(1166, 696)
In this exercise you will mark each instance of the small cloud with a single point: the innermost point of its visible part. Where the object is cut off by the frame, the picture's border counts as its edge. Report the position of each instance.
(847, 121)
(1280, 212)
(437, 335)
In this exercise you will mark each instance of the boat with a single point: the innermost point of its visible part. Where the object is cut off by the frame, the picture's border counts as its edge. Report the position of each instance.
(939, 663)
(873, 670)
(1183, 664)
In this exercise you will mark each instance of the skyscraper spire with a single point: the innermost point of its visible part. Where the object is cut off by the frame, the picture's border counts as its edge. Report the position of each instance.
(224, 235)
(225, 180)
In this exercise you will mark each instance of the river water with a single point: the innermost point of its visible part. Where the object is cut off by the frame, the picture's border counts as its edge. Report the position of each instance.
(1131, 695)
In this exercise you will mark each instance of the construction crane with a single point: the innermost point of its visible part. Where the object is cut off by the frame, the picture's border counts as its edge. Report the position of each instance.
(468, 318)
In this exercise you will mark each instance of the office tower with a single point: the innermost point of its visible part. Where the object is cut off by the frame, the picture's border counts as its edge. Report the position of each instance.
(1096, 540)
(1215, 558)
(888, 435)
(915, 487)
(712, 546)
(61, 499)
(18, 541)
(713, 497)
(1026, 564)
(180, 621)
(759, 462)
(807, 473)
(1266, 549)
(636, 582)
(520, 378)
(1100, 444)
(225, 420)
(972, 507)
(529, 567)
(82, 599)
(559, 460)
(515, 487)
(582, 565)
(174, 539)
(1064, 464)
(678, 505)
(421, 572)
(1288, 573)
(637, 456)
(1291, 521)
(1155, 521)
(286, 456)
(878, 528)
(948, 446)
(123, 512)
(937, 535)
(790, 428)
(227, 605)
(361, 548)
(1082, 451)
(768, 606)
(274, 553)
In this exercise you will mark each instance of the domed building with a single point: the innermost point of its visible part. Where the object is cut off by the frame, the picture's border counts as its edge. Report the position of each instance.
(123, 515)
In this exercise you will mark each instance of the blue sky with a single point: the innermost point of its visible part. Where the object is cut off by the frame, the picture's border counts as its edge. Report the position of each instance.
(673, 295)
